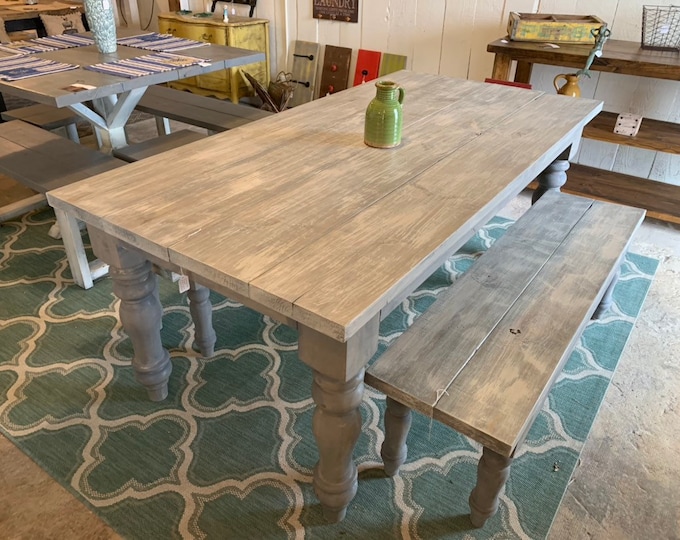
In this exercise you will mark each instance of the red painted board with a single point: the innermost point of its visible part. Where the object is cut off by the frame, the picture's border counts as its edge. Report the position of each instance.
(368, 66)
(508, 83)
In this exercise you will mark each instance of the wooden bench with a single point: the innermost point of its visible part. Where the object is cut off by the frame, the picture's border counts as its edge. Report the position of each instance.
(43, 161)
(46, 117)
(162, 143)
(484, 356)
(213, 114)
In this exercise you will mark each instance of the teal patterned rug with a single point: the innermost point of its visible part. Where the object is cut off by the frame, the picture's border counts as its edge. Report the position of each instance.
(229, 453)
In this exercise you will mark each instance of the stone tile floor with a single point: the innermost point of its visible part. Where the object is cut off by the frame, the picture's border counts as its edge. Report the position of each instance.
(626, 486)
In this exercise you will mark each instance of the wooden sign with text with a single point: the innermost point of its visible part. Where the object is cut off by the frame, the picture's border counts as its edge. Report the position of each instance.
(336, 10)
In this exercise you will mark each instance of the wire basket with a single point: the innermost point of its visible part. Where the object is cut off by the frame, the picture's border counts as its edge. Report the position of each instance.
(661, 28)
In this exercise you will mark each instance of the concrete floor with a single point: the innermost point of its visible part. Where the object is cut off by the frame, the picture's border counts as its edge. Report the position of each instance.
(626, 486)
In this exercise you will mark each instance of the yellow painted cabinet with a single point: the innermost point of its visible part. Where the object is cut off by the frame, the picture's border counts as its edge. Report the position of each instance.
(242, 32)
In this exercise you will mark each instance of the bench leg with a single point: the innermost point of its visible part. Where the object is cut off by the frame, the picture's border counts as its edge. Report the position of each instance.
(72, 132)
(201, 313)
(492, 473)
(607, 299)
(397, 425)
(75, 251)
(162, 125)
(552, 178)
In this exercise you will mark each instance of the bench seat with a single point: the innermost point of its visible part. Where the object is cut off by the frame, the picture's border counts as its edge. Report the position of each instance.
(162, 143)
(46, 117)
(44, 161)
(213, 114)
(484, 356)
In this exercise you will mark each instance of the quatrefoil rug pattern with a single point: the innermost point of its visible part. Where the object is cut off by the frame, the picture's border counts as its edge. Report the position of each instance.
(229, 454)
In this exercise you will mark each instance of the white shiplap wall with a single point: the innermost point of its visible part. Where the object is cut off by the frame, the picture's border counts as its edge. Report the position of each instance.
(450, 37)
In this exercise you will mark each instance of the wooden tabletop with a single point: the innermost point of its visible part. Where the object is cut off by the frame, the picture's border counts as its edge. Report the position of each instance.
(53, 89)
(625, 57)
(296, 213)
(14, 10)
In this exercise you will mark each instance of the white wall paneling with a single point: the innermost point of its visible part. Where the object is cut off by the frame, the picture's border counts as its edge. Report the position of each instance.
(450, 37)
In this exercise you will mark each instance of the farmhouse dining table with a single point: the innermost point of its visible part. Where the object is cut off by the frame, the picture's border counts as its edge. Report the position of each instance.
(297, 218)
(114, 97)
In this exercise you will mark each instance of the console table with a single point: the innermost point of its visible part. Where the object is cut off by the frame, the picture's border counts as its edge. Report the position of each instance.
(661, 200)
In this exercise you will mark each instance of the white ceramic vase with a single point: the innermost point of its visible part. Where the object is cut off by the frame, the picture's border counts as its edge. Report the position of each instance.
(102, 23)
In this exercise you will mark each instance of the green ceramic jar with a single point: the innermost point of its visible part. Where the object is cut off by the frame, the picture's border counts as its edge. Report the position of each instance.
(382, 128)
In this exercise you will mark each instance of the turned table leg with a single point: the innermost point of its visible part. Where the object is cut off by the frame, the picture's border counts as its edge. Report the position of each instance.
(552, 178)
(338, 387)
(140, 314)
(397, 424)
(135, 283)
(201, 313)
(492, 473)
(336, 426)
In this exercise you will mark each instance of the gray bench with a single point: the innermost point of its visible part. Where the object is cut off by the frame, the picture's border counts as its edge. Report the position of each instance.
(484, 356)
(162, 143)
(46, 117)
(213, 114)
(43, 161)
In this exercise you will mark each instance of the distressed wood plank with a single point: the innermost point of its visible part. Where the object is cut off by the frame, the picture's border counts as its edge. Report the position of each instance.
(302, 63)
(368, 66)
(434, 205)
(447, 335)
(335, 70)
(547, 321)
(391, 63)
(43, 161)
(327, 198)
(287, 141)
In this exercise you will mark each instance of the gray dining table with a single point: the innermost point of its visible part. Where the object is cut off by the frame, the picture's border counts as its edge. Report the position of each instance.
(299, 219)
(113, 98)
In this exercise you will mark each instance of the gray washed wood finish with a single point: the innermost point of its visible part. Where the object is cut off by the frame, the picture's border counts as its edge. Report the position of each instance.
(51, 89)
(158, 145)
(210, 113)
(299, 218)
(113, 98)
(43, 161)
(483, 358)
(46, 117)
(516, 314)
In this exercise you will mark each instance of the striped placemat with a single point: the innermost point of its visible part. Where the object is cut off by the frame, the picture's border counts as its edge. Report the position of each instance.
(18, 67)
(160, 42)
(46, 44)
(145, 65)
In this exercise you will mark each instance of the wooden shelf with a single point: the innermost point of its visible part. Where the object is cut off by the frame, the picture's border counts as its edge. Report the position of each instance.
(653, 135)
(662, 201)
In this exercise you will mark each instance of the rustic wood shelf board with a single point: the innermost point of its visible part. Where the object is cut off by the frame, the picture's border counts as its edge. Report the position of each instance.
(661, 200)
(625, 57)
(653, 135)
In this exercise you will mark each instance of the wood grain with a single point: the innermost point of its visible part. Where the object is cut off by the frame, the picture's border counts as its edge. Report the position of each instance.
(43, 161)
(485, 354)
(661, 200)
(202, 111)
(545, 323)
(624, 57)
(315, 225)
(157, 145)
(653, 135)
